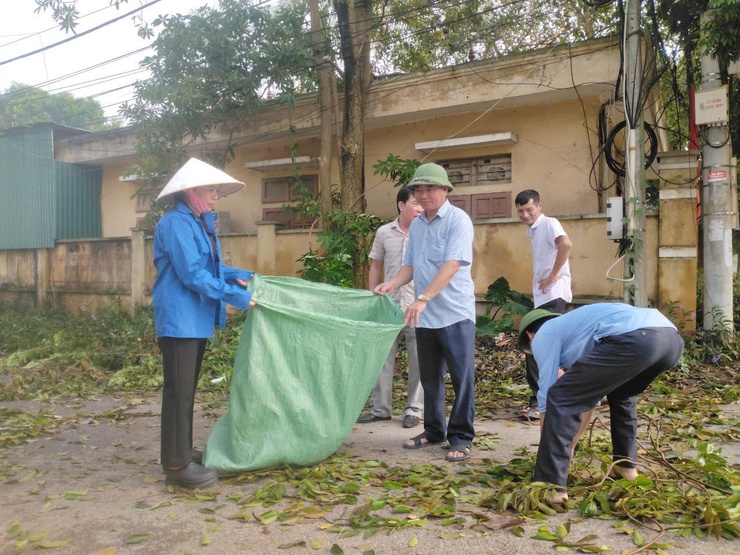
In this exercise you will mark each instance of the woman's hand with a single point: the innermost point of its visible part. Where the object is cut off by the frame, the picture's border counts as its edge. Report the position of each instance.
(242, 282)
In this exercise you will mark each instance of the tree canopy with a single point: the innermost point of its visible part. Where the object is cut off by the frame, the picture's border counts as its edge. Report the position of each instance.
(212, 69)
(24, 105)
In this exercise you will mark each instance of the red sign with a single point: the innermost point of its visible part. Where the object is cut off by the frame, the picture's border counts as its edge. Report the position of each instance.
(717, 175)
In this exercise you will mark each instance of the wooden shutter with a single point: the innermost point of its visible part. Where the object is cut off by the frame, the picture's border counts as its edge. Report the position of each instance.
(491, 205)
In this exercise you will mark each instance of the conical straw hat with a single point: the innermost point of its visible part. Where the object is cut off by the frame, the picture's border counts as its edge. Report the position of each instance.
(196, 173)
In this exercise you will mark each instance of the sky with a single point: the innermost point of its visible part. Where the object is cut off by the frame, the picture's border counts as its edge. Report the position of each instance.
(94, 65)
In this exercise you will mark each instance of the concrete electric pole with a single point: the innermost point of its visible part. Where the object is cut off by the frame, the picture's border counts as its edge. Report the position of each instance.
(717, 207)
(634, 163)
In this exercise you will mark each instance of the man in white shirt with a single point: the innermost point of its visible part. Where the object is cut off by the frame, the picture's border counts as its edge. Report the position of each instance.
(387, 254)
(551, 280)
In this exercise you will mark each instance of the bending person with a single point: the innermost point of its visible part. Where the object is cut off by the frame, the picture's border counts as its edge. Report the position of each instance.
(607, 349)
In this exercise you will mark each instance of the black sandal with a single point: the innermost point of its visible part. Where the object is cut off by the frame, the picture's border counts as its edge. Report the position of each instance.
(418, 443)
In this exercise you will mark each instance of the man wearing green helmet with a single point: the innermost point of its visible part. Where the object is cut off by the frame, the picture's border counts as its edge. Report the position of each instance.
(606, 349)
(438, 258)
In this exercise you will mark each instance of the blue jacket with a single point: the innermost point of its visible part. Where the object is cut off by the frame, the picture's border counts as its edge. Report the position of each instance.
(191, 290)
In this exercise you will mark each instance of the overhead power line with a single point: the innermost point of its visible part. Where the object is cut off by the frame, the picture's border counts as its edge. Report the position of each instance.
(78, 35)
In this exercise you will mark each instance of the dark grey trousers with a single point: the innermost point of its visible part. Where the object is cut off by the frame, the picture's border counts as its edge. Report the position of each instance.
(451, 348)
(181, 361)
(533, 372)
(619, 368)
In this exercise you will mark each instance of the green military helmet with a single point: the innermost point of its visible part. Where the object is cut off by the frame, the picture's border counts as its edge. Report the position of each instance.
(430, 174)
(530, 318)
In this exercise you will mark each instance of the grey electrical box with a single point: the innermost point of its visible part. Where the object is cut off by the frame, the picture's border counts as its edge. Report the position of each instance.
(614, 217)
(711, 106)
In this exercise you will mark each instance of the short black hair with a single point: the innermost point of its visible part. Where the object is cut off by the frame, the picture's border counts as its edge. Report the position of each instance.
(525, 196)
(534, 327)
(404, 194)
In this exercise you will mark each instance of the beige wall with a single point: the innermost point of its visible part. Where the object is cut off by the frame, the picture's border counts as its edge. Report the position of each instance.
(86, 275)
(552, 156)
(117, 204)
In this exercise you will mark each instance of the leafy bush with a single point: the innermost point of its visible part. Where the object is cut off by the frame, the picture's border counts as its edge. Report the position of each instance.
(718, 347)
(501, 298)
(48, 351)
(345, 241)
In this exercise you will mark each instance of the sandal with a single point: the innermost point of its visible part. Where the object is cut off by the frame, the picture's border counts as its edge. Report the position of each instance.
(458, 448)
(531, 412)
(418, 443)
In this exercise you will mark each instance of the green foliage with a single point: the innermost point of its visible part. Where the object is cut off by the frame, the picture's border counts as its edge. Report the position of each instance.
(345, 239)
(25, 105)
(687, 41)
(65, 13)
(719, 346)
(397, 169)
(209, 72)
(48, 351)
(419, 36)
(20, 427)
(720, 37)
(501, 298)
(78, 355)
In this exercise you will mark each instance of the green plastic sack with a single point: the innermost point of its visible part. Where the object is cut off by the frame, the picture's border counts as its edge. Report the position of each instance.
(308, 356)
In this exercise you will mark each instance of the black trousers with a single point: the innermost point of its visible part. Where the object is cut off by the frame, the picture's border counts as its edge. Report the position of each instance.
(181, 361)
(533, 371)
(619, 367)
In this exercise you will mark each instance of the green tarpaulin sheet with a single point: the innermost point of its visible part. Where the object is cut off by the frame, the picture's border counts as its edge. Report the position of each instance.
(308, 356)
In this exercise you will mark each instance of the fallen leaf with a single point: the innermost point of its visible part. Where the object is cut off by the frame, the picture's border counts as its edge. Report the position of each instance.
(51, 545)
(300, 543)
(137, 538)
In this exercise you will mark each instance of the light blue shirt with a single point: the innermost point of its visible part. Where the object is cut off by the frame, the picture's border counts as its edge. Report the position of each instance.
(448, 236)
(564, 340)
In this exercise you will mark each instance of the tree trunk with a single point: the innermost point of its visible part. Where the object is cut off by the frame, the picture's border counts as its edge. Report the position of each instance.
(354, 19)
(320, 55)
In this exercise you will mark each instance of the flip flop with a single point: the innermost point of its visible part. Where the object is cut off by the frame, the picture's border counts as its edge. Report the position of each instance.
(418, 443)
(460, 448)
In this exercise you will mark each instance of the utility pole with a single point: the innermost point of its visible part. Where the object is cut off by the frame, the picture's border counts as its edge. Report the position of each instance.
(716, 194)
(634, 163)
(320, 56)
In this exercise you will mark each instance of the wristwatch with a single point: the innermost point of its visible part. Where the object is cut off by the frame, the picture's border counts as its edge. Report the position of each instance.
(423, 298)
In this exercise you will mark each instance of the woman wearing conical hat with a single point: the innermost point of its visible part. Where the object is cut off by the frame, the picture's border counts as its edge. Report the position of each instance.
(189, 298)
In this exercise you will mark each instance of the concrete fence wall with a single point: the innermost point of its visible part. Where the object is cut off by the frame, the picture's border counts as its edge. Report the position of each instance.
(87, 275)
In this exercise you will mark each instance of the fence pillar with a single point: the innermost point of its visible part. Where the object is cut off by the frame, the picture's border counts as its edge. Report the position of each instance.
(678, 234)
(267, 247)
(138, 267)
(43, 275)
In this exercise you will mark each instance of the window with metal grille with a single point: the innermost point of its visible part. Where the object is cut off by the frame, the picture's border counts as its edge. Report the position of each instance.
(144, 198)
(285, 190)
(486, 170)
